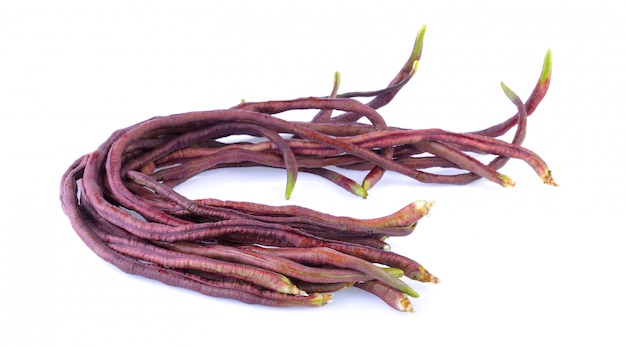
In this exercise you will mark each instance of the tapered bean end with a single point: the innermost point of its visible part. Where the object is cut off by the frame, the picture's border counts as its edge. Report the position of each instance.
(541, 88)
(366, 184)
(291, 182)
(414, 60)
(411, 292)
(372, 177)
(410, 67)
(546, 72)
(510, 94)
(336, 82)
(359, 190)
(422, 275)
(417, 48)
(506, 181)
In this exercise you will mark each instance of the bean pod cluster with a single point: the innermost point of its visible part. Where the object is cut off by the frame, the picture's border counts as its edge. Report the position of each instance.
(122, 201)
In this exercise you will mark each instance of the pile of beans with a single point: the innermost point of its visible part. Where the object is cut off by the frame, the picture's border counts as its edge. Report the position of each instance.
(121, 198)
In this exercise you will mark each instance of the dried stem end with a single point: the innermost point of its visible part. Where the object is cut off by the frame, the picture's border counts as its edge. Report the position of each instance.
(320, 299)
(423, 275)
(506, 181)
(548, 179)
(404, 305)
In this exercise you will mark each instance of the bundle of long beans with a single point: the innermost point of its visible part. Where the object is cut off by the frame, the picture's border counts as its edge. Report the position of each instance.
(122, 200)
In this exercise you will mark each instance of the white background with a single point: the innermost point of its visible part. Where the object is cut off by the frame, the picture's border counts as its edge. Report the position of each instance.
(529, 265)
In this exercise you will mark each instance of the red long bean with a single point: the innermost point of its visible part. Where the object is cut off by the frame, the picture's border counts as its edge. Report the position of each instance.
(122, 198)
